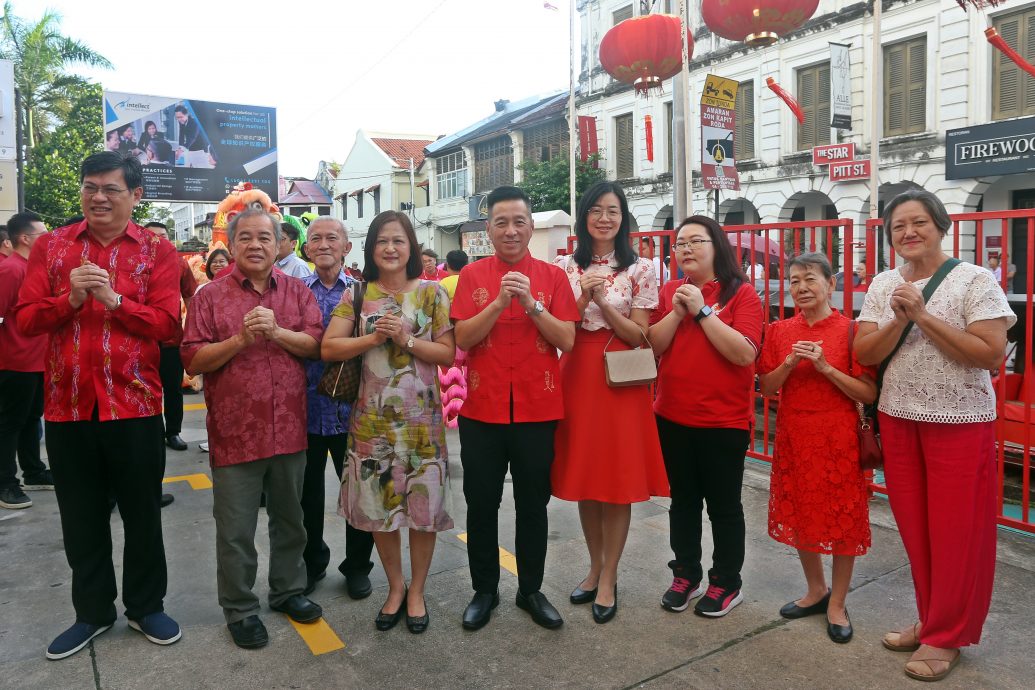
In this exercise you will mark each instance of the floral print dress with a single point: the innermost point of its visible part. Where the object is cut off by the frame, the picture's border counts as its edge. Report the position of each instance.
(397, 470)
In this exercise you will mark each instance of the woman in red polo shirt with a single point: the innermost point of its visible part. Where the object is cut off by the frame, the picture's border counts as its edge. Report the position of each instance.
(707, 330)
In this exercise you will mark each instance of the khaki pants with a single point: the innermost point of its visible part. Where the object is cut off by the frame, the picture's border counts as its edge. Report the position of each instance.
(236, 491)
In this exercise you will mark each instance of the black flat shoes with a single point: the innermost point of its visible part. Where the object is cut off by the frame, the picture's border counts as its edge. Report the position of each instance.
(387, 621)
(840, 633)
(602, 614)
(582, 596)
(792, 610)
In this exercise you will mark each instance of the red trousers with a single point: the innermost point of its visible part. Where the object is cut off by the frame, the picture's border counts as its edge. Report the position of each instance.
(941, 482)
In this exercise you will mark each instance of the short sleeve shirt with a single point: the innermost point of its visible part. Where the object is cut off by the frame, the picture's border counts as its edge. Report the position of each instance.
(921, 383)
(514, 361)
(635, 287)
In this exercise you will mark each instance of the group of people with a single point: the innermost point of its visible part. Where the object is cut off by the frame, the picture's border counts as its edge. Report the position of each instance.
(104, 294)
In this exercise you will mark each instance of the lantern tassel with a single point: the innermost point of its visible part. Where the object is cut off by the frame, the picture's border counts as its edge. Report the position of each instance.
(786, 98)
(996, 40)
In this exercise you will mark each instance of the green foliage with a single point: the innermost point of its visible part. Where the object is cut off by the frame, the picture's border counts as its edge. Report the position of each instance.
(546, 182)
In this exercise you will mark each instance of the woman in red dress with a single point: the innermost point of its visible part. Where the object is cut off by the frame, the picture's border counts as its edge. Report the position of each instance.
(818, 496)
(607, 454)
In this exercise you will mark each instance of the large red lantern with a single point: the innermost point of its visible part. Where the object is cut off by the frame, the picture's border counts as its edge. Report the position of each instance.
(644, 51)
(756, 22)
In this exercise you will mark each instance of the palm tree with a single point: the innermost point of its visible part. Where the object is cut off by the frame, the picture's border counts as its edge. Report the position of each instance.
(41, 54)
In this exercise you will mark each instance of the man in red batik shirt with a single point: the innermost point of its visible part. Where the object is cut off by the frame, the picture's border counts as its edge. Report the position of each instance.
(105, 291)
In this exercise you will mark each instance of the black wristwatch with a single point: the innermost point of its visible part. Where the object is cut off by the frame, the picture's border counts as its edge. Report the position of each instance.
(705, 312)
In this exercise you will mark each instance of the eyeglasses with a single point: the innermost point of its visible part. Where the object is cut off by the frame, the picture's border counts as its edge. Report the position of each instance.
(692, 244)
(107, 190)
(597, 212)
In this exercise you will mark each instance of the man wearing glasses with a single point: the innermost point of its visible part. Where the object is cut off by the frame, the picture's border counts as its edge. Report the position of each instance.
(106, 292)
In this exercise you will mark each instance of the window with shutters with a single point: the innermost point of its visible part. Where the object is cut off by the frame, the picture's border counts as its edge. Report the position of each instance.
(624, 146)
(546, 141)
(744, 133)
(493, 164)
(814, 99)
(905, 87)
(1013, 93)
(622, 14)
(670, 137)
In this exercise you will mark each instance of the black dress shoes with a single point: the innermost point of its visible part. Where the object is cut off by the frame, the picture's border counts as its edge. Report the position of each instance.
(602, 614)
(840, 633)
(357, 585)
(311, 580)
(418, 624)
(541, 609)
(792, 610)
(387, 621)
(166, 500)
(249, 633)
(582, 596)
(175, 442)
(299, 609)
(477, 613)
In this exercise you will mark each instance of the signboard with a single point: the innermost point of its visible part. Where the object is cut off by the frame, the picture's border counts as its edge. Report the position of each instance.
(840, 87)
(478, 207)
(194, 150)
(718, 117)
(833, 153)
(587, 136)
(852, 170)
(999, 148)
(8, 189)
(8, 114)
(476, 243)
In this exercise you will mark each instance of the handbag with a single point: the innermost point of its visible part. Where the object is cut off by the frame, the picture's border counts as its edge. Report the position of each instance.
(634, 367)
(340, 380)
(871, 454)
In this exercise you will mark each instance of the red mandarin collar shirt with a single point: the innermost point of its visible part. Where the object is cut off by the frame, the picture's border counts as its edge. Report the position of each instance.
(256, 401)
(96, 357)
(697, 385)
(18, 352)
(514, 359)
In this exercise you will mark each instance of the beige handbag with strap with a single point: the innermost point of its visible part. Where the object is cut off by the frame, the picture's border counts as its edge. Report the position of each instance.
(634, 367)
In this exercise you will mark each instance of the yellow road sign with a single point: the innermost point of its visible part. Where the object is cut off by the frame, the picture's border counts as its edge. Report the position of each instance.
(719, 92)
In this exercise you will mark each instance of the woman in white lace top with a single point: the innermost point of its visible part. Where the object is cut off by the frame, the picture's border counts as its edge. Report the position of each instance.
(936, 412)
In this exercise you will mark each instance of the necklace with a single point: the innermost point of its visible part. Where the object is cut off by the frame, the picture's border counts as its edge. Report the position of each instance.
(388, 290)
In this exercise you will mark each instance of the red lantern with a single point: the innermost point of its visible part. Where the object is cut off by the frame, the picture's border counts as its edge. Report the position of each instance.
(756, 22)
(644, 51)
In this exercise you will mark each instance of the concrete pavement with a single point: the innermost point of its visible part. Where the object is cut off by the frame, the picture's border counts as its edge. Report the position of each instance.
(644, 646)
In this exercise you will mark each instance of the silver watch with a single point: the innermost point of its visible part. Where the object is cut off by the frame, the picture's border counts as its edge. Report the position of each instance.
(536, 309)
(410, 343)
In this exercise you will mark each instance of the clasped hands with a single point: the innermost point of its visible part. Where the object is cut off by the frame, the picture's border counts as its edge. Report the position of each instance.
(515, 285)
(687, 299)
(260, 322)
(908, 303)
(390, 327)
(594, 287)
(810, 350)
(90, 280)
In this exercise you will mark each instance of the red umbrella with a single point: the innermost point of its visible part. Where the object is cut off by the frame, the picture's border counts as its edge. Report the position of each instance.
(758, 245)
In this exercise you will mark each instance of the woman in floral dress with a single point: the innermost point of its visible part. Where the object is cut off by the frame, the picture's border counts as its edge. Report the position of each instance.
(397, 473)
(818, 497)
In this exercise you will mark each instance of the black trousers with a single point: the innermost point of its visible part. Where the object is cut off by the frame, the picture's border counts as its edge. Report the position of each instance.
(486, 451)
(21, 406)
(705, 467)
(358, 544)
(90, 460)
(170, 370)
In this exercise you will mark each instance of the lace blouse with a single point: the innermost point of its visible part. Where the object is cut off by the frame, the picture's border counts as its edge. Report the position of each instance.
(634, 288)
(921, 383)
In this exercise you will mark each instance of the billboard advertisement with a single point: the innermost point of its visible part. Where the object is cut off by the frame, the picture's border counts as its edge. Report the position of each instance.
(193, 150)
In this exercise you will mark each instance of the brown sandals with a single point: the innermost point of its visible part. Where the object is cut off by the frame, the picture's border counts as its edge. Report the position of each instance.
(924, 668)
(907, 640)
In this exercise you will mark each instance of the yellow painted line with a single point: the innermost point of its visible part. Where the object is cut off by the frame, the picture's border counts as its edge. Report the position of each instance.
(507, 560)
(319, 636)
(196, 481)
(190, 407)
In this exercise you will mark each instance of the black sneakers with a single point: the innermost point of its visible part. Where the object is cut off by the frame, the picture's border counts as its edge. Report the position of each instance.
(43, 481)
(14, 498)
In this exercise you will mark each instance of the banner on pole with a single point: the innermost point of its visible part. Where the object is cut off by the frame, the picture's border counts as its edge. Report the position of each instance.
(718, 119)
(840, 87)
(587, 136)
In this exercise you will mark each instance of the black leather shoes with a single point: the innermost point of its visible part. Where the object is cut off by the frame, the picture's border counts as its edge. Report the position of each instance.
(357, 585)
(840, 633)
(480, 609)
(299, 609)
(541, 609)
(582, 596)
(602, 614)
(166, 500)
(386, 621)
(175, 442)
(792, 610)
(249, 633)
(418, 624)
(311, 580)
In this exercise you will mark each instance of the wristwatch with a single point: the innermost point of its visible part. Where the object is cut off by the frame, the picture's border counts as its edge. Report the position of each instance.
(118, 302)
(410, 342)
(705, 312)
(536, 309)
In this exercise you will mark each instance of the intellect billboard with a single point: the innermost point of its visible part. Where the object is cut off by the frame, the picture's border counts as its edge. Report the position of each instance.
(193, 150)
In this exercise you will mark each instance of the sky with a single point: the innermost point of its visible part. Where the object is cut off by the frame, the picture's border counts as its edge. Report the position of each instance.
(329, 67)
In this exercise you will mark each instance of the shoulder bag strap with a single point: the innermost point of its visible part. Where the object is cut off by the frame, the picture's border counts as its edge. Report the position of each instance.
(851, 342)
(932, 285)
(358, 290)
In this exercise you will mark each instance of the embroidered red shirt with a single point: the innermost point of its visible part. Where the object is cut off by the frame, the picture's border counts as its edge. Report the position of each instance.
(18, 352)
(256, 401)
(697, 385)
(514, 359)
(97, 357)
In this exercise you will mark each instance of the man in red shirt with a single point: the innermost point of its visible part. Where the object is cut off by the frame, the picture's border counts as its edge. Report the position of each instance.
(21, 375)
(6, 246)
(249, 333)
(429, 259)
(512, 313)
(105, 292)
(170, 367)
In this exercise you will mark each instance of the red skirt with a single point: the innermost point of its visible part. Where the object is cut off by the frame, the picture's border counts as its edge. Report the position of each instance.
(606, 446)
